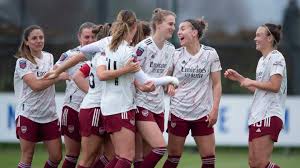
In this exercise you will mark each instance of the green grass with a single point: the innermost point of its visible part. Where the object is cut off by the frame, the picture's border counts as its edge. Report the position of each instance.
(227, 157)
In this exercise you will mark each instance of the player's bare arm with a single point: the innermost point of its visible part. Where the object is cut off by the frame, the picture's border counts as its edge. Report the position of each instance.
(273, 85)
(217, 92)
(65, 65)
(41, 84)
(235, 76)
(81, 81)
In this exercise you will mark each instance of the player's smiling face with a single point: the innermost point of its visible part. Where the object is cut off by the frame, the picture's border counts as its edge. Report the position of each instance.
(262, 39)
(35, 40)
(86, 36)
(186, 34)
(167, 27)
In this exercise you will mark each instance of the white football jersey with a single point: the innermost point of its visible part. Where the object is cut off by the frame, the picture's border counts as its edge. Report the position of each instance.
(193, 98)
(38, 106)
(73, 95)
(93, 97)
(91, 49)
(265, 103)
(118, 94)
(154, 62)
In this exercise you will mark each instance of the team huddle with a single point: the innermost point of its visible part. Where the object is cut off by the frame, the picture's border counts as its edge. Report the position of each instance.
(116, 81)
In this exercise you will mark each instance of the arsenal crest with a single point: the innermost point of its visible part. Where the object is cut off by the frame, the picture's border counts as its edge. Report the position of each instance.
(173, 124)
(22, 64)
(145, 113)
(139, 51)
(71, 128)
(23, 129)
(101, 130)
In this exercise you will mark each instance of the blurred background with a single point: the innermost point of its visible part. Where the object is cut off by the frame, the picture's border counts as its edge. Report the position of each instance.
(232, 26)
(231, 30)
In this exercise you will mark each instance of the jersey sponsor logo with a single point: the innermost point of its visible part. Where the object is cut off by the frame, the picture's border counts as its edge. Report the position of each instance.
(40, 73)
(71, 128)
(173, 124)
(193, 72)
(258, 130)
(279, 63)
(139, 51)
(23, 129)
(145, 113)
(63, 56)
(157, 67)
(22, 64)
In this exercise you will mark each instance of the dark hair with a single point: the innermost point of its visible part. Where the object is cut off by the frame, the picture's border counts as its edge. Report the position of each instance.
(121, 27)
(143, 30)
(24, 50)
(198, 24)
(158, 16)
(85, 25)
(102, 31)
(275, 31)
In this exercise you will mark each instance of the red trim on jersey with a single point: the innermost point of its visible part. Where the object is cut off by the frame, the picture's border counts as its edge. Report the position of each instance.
(85, 69)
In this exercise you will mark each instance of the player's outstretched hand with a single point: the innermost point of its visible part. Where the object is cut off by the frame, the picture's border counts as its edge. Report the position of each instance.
(233, 75)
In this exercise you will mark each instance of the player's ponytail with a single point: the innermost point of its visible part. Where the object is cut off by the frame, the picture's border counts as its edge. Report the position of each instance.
(121, 27)
(275, 31)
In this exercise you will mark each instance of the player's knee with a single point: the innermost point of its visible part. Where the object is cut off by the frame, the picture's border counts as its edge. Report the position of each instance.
(129, 155)
(161, 144)
(256, 162)
(55, 157)
(27, 156)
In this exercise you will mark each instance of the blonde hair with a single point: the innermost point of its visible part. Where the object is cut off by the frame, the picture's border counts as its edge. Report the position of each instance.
(142, 32)
(24, 50)
(121, 27)
(158, 16)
